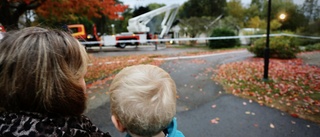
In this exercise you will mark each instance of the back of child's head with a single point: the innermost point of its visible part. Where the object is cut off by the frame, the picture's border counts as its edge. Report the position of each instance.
(40, 71)
(143, 99)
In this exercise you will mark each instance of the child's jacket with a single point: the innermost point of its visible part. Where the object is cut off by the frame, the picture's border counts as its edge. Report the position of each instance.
(171, 130)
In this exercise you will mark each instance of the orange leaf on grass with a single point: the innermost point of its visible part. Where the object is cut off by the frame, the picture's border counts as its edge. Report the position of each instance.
(294, 115)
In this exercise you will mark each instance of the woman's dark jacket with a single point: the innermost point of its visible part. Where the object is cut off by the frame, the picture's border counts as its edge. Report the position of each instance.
(30, 124)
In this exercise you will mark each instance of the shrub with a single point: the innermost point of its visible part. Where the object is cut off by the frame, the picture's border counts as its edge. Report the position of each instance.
(313, 47)
(282, 47)
(222, 43)
(307, 42)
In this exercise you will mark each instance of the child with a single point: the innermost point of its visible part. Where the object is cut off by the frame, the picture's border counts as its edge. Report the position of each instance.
(42, 87)
(143, 102)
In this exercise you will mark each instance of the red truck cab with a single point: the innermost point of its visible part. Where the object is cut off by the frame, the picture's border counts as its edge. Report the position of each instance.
(2, 29)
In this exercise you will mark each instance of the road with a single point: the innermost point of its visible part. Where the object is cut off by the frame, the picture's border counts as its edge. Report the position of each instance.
(132, 50)
(203, 107)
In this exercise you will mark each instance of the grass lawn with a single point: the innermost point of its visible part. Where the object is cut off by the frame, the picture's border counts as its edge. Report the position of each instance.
(292, 86)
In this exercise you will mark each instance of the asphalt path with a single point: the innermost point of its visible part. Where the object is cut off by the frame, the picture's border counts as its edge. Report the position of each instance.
(132, 50)
(203, 107)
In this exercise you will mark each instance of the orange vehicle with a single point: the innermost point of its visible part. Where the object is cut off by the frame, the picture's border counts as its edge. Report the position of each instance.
(79, 32)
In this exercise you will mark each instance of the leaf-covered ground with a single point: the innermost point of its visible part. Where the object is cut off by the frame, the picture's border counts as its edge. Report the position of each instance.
(102, 69)
(292, 86)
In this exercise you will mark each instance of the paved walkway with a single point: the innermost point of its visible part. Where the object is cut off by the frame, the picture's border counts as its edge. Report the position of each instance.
(311, 58)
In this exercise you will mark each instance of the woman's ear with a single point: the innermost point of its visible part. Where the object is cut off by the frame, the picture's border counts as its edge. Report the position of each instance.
(117, 124)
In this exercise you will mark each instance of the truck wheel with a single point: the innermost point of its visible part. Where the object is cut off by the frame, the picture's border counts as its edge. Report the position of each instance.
(122, 45)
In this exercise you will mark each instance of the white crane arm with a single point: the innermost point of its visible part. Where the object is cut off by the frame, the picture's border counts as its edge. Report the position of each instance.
(139, 23)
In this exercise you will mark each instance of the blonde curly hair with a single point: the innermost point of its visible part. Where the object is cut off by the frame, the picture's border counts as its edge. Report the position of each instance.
(143, 99)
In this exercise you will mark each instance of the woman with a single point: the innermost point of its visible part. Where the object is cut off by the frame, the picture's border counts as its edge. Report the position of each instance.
(42, 88)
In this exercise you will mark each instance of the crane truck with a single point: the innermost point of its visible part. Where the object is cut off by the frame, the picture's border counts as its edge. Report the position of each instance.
(138, 29)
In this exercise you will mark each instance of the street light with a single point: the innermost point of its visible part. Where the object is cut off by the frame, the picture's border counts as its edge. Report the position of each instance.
(112, 25)
(282, 16)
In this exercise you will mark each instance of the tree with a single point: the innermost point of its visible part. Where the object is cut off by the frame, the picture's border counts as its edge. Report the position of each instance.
(256, 23)
(122, 25)
(140, 10)
(313, 28)
(194, 26)
(275, 24)
(294, 19)
(236, 10)
(70, 10)
(311, 10)
(11, 10)
(104, 23)
(58, 10)
(257, 3)
(252, 11)
(199, 8)
(153, 6)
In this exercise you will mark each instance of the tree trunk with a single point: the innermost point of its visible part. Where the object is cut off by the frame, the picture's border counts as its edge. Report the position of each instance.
(11, 11)
(7, 20)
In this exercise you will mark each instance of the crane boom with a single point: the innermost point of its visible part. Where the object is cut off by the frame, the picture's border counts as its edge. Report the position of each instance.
(139, 24)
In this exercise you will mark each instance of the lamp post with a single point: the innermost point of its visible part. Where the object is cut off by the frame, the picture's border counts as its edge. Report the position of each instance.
(282, 17)
(112, 26)
(266, 50)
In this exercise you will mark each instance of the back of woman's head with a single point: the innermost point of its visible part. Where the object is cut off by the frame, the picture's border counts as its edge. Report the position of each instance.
(40, 71)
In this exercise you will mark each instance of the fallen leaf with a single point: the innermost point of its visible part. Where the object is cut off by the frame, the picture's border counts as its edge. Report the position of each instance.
(271, 125)
(294, 115)
(93, 97)
(215, 120)
(89, 91)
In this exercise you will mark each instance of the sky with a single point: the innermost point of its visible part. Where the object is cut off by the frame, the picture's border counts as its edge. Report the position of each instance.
(137, 3)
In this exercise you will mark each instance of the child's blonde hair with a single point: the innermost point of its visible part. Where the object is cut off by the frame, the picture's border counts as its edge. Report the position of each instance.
(143, 99)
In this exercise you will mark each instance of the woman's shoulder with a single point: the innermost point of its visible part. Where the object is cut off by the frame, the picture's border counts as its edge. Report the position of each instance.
(36, 124)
